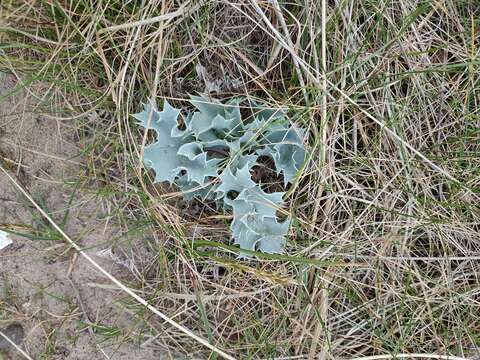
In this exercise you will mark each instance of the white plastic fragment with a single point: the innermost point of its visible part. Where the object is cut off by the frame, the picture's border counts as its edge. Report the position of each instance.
(4, 240)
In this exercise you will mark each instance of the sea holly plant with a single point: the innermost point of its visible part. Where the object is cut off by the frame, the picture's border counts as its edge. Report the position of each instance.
(209, 154)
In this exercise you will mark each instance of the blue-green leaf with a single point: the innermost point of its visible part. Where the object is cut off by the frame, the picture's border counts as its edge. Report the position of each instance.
(212, 159)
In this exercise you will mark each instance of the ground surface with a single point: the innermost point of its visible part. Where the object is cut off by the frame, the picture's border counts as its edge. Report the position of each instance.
(56, 296)
(382, 257)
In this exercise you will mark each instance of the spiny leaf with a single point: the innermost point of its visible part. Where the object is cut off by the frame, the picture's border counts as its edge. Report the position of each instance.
(174, 150)
(193, 160)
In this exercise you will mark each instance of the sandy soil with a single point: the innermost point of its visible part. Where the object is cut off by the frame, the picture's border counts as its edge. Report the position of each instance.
(53, 294)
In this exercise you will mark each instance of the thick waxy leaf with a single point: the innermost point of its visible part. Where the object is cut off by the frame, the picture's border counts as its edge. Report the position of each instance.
(252, 209)
(174, 149)
(212, 159)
